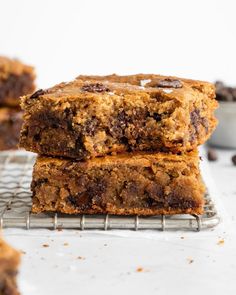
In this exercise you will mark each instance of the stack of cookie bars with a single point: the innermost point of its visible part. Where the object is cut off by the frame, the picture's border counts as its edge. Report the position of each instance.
(16, 79)
(119, 144)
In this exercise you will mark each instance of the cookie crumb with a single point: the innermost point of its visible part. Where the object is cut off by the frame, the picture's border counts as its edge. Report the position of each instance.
(81, 258)
(45, 245)
(66, 244)
(221, 242)
(190, 260)
(139, 269)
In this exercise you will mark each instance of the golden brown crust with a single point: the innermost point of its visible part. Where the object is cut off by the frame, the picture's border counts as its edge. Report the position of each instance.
(143, 184)
(147, 80)
(84, 119)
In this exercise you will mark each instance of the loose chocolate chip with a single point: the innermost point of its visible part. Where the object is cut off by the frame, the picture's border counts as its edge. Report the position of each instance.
(212, 155)
(169, 83)
(234, 159)
(38, 93)
(95, 87)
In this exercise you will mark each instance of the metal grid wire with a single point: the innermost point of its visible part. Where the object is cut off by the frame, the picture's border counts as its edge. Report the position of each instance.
(15, 205)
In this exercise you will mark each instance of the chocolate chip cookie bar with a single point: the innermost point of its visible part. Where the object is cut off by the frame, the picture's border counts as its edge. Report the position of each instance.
(125, 184)
(10, 125)
(9, 262)
(85, 119)
(16, 79)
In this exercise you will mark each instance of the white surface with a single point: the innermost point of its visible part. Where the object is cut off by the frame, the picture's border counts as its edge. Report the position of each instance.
(65, 38)
(111, 259)
(222, 137)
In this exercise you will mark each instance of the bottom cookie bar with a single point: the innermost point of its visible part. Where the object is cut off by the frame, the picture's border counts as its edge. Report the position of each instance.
(9, 262)
(143, 184)
(10, 125)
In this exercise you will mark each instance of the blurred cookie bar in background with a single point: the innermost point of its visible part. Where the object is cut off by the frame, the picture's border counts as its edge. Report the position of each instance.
(16, 79)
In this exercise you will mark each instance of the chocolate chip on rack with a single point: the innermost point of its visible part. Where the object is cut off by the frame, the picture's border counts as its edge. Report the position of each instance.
(169, 83)
(95, 87)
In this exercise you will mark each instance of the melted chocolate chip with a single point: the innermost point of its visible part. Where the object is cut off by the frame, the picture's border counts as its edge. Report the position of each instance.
(157, 117)
(38, 93)
(195, 119)
(169, 83)
(37, 183)
(95, 87)
(90, 126)
(72, 200)
(51, 119)
(121, 119)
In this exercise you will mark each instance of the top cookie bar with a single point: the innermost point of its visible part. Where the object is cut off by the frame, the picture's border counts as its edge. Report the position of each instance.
(16, 79)
(88, 118)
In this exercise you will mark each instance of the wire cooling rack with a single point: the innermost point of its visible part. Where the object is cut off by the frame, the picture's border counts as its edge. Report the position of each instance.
(15, 205)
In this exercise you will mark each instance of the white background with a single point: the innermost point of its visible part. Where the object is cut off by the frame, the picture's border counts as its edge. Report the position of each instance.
(195, 39)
